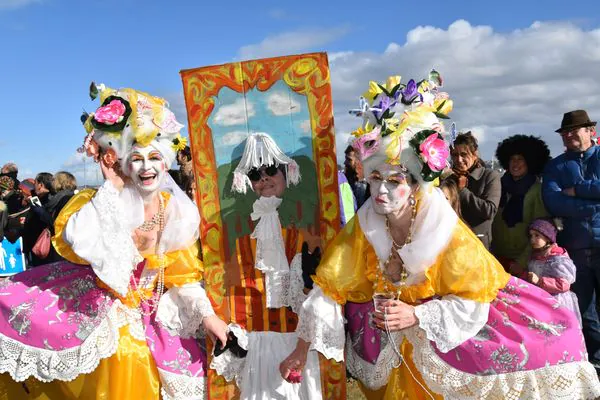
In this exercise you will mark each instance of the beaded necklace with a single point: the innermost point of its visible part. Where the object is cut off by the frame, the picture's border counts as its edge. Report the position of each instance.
(152, 301)
(382, 281)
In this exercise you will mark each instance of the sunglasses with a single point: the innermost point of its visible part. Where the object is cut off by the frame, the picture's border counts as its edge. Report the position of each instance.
(255, 173)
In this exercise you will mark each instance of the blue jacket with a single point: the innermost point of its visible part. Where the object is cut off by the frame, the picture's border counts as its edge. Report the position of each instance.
(580, 214)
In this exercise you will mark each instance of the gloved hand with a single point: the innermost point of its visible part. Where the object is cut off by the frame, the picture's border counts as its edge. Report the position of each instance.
(310, 262)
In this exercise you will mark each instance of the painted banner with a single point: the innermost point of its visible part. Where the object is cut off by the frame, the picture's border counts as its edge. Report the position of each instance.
(12, 259)
(290, 99)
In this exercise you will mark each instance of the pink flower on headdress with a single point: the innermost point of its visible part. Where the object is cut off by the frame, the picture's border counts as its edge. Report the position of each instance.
(434, 152)
(111, 113)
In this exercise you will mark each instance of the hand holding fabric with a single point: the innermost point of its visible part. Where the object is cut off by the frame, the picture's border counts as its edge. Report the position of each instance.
(216, 329)
(310, 262)
(398, 315)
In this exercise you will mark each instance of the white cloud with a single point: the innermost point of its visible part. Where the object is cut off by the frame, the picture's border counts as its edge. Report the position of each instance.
(12, 4)
(292, 42)
(280, 103)
(305, 126)
(234, 138)
(501, 83)
(235, 113)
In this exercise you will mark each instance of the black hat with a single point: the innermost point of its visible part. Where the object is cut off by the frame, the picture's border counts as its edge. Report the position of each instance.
(575, 119)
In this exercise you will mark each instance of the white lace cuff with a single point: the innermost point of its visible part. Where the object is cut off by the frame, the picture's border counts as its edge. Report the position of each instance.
(228, 365)
(182, 309)
(98, 233)
(451, 321)
(296, 295)
(321, 323)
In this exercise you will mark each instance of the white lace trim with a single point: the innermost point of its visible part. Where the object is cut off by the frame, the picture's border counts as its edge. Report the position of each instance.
(451, 321)
(327, 338)
(22, 361)
(182, 309)
(99, 233)
(373, 376)
(575, 380)
(296, 295)
(181, 387)
(277, 286)
(133, 318)
(226, 364)
(270, 251)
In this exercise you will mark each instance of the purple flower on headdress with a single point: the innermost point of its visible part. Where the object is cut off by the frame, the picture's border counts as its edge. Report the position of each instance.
(385, 103)
(410, 93)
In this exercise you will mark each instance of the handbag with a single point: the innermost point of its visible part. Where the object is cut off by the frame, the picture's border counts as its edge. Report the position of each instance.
(41, 248)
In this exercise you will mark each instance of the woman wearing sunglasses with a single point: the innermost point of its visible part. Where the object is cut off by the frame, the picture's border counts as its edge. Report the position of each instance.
(272, 282)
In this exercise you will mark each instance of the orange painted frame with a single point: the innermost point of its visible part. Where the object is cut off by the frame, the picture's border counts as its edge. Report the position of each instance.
(306, 74)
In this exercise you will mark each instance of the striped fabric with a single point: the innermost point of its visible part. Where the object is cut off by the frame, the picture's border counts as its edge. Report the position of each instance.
(247, 300)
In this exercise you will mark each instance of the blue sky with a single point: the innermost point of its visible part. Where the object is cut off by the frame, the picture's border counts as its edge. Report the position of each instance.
(52, 49)
(279, 111)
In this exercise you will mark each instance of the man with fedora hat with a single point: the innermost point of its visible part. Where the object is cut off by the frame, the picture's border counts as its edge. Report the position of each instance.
(571, 190)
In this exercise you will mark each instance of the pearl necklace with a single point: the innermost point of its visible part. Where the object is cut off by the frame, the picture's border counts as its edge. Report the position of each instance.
(382, 280)
(152, 301)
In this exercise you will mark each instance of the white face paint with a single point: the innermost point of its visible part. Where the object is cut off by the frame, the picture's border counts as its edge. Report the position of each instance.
(147, 168)
(390, 188)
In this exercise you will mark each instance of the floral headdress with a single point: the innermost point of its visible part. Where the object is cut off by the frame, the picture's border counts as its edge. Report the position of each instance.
(401, 124)
(127, 117)
(260, 149)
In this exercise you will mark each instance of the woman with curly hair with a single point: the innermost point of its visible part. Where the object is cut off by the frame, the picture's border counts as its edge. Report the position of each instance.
(523, 157)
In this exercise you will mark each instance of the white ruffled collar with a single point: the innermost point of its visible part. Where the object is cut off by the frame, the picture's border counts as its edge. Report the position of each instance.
(432, 231)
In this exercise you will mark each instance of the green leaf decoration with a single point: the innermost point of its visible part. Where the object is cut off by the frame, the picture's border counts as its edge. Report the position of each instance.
(440, 115)
(383, 89)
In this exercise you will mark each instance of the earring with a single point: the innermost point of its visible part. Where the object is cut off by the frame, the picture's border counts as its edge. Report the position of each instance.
(411, 200)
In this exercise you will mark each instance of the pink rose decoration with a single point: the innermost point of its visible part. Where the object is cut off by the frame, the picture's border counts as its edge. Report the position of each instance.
(111, 113)
(435, 152)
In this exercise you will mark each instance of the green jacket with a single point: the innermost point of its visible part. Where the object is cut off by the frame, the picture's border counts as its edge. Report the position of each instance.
(513, 242)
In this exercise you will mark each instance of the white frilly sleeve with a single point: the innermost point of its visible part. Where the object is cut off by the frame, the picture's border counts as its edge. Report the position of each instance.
(182, 309)
(451, 320)
(321, 323)
(98, 233)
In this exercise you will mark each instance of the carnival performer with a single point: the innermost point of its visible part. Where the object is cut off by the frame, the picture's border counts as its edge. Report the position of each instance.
(431, 313)
(276, 265)
(119, 319)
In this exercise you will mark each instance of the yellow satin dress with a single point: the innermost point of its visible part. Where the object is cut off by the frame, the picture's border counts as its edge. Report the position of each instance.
(349, 271)
(131, 372)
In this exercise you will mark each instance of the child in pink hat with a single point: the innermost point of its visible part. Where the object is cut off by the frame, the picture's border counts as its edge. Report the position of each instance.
(550, 266)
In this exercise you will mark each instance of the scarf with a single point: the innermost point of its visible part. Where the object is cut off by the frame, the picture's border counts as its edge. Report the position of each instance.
(513, 197)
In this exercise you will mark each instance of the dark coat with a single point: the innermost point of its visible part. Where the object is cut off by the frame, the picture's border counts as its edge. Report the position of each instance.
(479, 202)
(580, 213)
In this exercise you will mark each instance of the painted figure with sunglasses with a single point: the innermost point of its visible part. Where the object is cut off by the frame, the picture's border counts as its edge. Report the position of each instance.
(571, 190)
(127, 315)
(268, 279)
(430, 312)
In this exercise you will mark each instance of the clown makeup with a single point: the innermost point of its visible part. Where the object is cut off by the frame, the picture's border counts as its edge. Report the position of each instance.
(390, 188)
(146, 168)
